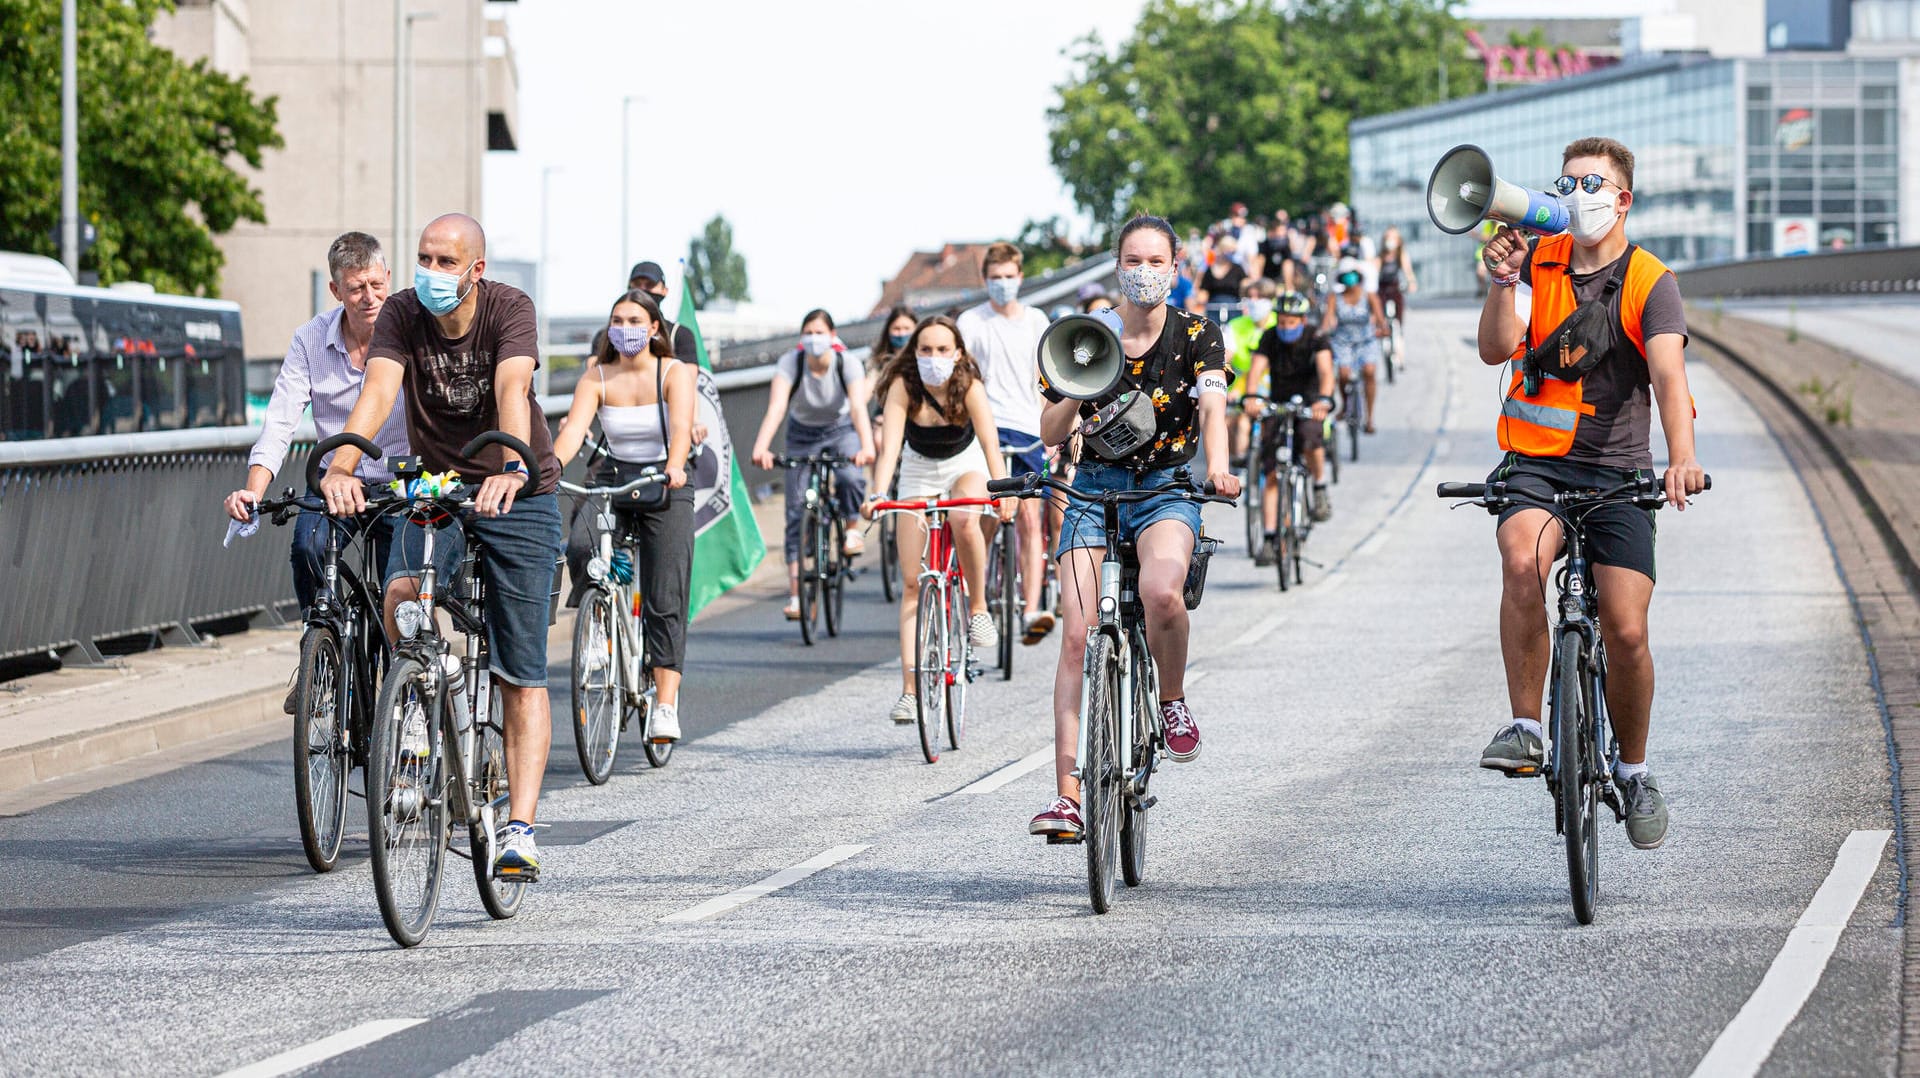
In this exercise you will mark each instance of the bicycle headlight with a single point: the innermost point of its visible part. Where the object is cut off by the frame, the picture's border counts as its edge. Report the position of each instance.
(812, 497)
(597, 569)
(410, 617)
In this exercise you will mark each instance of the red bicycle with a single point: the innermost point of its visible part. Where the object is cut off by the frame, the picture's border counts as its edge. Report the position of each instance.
(942, 653)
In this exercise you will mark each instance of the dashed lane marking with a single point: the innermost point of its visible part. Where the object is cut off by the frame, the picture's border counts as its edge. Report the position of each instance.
(325, 1048)
(1257, 632)
(1748, 1040)
(993, 780)
(786, 877)
(1333, 580)
(1374, 542)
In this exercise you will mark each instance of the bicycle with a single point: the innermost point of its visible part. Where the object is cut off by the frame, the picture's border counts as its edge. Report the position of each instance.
(610, 668)
(343, 655)
(1253, 477)
(1390, 344)
(1353, 410)
(1006, 591)
(943, 651)
(1119, 691)
(824, 565)
(411, 799)
(1581, 752)
(1294, 521)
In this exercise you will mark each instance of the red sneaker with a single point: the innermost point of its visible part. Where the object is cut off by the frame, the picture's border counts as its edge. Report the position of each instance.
(1183, 734)
(1060, 821)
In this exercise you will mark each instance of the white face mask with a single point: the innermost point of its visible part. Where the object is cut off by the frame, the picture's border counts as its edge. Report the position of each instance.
(935, 370)
(1259, 309)
(817, 344)
(1144, 286)
(1591, 216)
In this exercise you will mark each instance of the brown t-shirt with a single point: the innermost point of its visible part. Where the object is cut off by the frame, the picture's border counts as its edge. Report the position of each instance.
(449, 383)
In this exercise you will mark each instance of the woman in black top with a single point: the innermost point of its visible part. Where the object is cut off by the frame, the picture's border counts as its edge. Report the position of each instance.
(1178, 359)
(939, 434)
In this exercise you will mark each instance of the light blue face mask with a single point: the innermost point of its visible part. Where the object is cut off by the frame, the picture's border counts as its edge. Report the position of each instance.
(440, 292)
(1003, 290)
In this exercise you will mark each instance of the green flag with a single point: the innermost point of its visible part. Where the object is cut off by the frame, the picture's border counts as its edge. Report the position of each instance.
(727, 542)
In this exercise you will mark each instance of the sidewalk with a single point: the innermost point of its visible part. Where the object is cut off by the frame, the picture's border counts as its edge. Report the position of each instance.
(81, 726)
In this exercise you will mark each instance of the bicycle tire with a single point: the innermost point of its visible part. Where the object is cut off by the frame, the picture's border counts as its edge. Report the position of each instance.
(1100, 789)
(596, 685)
(1133, 825)
(500, 898)
(1331, 445)
(1303, 519)
(406, 807)
(930, 668)
(1355, 421)
(1250, 493)
(320, 760)
(889, 559)
(833, 579)
(1387, 350)
(809, 568)
(1576, 785)
(1009, 589)
(1283, 541)
(959, 663)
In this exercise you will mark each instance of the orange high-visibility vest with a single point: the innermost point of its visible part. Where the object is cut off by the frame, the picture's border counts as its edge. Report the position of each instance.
(1543, 425)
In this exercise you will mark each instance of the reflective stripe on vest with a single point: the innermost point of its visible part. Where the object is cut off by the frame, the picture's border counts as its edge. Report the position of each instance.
(1540, 415)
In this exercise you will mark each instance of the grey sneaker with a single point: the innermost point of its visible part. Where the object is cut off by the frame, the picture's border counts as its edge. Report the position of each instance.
(1322, 510)
(1263, 557)
(905, 710)
(1515, 752)
(983, 632)
(1646, 811)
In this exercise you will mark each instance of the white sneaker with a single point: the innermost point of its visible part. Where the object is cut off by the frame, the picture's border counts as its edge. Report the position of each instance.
(905, 710)
(413, 732)
(666, 723)
(596, 657)
(518, 858)
(983, 632)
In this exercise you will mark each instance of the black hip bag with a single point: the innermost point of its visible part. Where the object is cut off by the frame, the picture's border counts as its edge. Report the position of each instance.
(1583, 338)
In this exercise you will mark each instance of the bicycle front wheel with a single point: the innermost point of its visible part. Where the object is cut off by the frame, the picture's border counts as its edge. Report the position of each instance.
(1250, 493)
(501, 898)
(833, 573)
(1009, 595)
(1133, 826)
(596, 685)
(1101, 786)
(1575, 774)
(930, 668)
(889, 559)
(1302, 519)
(959, 663)
(320, 762)
(809, 570)
(407, 802)
(1283, 540)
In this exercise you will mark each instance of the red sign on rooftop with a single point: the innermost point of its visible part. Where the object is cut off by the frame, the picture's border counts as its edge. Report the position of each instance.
(1508, 64)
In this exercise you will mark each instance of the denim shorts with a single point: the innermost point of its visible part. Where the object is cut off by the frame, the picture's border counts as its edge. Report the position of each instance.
(1085, 522)
(1029, 455)
(518, 555)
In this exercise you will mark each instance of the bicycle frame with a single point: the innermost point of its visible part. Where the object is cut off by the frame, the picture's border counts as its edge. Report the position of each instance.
(628, 654)
(1580, 613)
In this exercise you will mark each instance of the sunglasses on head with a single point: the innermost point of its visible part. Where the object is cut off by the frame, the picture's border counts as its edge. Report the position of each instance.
(1591, 183)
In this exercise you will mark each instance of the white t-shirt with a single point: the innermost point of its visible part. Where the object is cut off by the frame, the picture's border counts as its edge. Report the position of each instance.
(1007, 350)
(818, 399)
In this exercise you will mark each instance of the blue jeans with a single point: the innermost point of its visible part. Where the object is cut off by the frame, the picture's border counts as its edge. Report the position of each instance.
(849, 483)
(518, 554)
(312, 532)
(1085, 522)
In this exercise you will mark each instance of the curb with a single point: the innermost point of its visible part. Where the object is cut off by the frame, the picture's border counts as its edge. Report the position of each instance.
(61, 757)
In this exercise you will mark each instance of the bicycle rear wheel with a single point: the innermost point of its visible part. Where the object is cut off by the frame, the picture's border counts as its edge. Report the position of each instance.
(833, 577)
(809, 576)
(501, 898)
(889, 559)
(1007, 591)
(1101, 789)
(1301, 496)
(1330, 439)
(320, 762)
(1133, 826)
(1283, 541)
(1389, 345)
(407, 803)
(596, 685)
(930, 668)
(1250, 493)
(959, 663)
(1576, 781)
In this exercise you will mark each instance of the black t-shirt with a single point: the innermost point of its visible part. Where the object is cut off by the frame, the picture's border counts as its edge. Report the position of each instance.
(1222, 287)
(1619, 432)
(1292, 367)
(1170, 373)
(1276, 249)
(682, 337)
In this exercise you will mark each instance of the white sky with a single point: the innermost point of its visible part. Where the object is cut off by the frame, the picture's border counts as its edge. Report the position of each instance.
(837, 136)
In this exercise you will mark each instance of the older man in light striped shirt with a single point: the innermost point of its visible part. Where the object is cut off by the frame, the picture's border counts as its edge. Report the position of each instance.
(325, 366)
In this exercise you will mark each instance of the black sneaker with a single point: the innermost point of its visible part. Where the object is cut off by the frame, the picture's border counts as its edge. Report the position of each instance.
(1514, 751)
(1322, 510)
(1264, 556)
(1646, 811)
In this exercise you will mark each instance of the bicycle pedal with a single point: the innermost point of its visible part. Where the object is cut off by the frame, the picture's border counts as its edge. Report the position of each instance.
(1525, 773)
(1063, 840)
(516, 875)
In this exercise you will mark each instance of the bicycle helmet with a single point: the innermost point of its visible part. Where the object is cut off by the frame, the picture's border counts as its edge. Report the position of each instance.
(1293, 303)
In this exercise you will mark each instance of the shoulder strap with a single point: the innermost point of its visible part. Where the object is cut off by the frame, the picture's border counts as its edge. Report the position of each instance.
(660, 399)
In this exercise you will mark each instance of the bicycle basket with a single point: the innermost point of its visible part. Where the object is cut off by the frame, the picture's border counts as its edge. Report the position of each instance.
(1197, 571)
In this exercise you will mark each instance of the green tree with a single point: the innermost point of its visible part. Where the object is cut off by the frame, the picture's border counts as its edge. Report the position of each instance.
(714, 269)
(159, 143)
(1044, 246)
(1210, 102)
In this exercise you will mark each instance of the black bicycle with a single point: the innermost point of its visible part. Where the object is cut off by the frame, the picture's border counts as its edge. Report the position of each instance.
(1293, 521)
(439, 734)
(1120, 688)
(343, 655)
(1582, 751)
(824, 565)
(1253, 477)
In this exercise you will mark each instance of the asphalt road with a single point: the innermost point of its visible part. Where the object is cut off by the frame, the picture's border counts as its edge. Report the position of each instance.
(1333, 887)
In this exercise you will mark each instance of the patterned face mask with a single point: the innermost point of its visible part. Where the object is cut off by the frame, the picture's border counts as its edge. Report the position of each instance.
(1144, 286)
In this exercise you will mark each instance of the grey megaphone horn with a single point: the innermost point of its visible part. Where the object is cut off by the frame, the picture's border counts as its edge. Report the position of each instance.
(1464, 191)
(1081, 356)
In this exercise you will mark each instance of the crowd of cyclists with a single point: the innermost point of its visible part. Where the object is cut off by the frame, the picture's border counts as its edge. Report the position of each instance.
(1250, 315)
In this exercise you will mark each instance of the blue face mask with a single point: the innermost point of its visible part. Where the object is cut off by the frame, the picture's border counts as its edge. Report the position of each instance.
(898, 341)
(1291, 335)
(1003, 290)
(440, 292)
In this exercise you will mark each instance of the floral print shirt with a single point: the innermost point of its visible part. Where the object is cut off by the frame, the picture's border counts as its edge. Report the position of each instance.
(1170, 373)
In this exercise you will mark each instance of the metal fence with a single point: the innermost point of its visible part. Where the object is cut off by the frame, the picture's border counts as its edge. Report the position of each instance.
(1881, 270)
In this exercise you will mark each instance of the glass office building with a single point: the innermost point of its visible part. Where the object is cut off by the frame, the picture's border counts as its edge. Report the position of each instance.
(1733, 157)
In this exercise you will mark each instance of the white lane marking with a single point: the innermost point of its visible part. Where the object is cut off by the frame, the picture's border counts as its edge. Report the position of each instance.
(1748, 1040)
(1441, 448)
(324, 1049)
(1257, 632)
(786, 877)
(1374, 542)
(1332, 581)
(993, 780)
(1194, 676)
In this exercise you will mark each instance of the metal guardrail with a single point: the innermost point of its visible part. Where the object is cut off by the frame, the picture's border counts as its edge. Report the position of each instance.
(1870, 271)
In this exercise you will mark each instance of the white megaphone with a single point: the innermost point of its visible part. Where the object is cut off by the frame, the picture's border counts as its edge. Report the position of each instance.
(1081, 356)
(1463, 191)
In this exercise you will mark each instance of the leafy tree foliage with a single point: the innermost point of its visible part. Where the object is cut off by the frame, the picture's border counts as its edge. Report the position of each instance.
(1212, 102)
(714, 269)
(1044, 246)
(159, 143)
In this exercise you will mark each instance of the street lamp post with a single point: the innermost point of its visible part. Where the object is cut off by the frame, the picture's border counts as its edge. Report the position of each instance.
(69, 139)
(544, 302)
(626, 189)
(403, 21)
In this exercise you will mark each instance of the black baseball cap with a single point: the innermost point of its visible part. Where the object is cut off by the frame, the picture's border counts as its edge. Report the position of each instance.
(650, 270)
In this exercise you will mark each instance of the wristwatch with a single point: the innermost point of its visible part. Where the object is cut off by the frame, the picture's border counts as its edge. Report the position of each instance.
(512, 467)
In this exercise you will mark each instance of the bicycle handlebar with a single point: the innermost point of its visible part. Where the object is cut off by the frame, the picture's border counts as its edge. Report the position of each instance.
(1646, 493)
(530, 467)
(825, 456)
(328, 445)
(918, 505)
(645, 479)
(1030, 486)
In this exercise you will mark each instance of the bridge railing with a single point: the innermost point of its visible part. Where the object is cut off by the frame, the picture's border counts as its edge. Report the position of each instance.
(1871, 271)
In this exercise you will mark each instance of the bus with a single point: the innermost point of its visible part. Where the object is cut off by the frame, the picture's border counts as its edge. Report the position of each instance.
(77, 360)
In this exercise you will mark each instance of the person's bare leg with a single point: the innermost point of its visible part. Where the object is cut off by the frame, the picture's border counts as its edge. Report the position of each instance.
(1529, 541)
(972, 544)
(1166, 551)
(529, 734)
(1624, 597)
(666, 686)
(1079, 574)
(1316, 461)
(1270, 502)
(911, 540)
(1370, 380)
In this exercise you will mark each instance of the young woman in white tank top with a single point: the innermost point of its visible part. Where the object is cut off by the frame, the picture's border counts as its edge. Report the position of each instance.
(645, 401)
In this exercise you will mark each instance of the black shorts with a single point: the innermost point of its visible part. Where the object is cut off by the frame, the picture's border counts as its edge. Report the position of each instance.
(1306, 437)
(1617, 535)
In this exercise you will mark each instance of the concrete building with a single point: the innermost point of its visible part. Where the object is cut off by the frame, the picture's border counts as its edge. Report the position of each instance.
(332, 65)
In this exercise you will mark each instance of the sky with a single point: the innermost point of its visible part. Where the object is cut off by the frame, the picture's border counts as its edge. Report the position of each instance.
(837, 136)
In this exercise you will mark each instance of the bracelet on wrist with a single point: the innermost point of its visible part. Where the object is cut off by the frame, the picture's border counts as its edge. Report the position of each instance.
(1505, 281)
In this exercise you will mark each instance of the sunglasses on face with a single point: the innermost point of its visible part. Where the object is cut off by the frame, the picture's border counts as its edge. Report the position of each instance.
(1591, 183)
